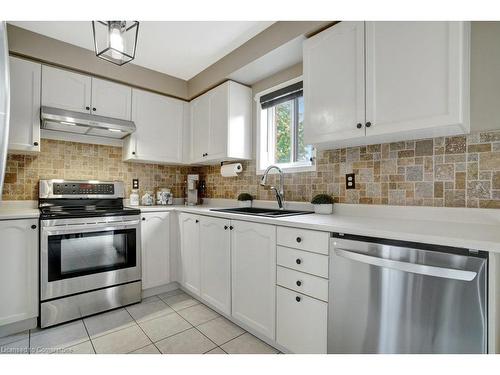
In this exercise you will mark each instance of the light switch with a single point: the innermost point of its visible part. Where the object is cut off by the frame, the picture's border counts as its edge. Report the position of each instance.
(350, 181)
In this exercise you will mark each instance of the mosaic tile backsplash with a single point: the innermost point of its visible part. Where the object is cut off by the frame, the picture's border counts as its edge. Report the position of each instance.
(69, 160)
(461, 171)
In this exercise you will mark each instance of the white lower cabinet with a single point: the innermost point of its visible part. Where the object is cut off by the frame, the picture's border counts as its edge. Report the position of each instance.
(215, 254)
(301, 322)
(155, 249)
(253, 259)
(18, 270)
(190, 252)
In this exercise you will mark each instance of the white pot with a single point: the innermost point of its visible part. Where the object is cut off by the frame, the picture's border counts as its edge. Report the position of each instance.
(245, 203)
(325, 209)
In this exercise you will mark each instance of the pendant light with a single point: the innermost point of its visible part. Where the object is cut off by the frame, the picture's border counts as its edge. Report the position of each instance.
(115, 41)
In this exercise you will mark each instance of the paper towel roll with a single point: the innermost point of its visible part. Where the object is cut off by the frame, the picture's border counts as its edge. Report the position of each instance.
(231, 170)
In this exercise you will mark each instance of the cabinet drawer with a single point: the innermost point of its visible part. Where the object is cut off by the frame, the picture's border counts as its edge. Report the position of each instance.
(304, 261)
(313, 286)
(303, 239)
(301, 322)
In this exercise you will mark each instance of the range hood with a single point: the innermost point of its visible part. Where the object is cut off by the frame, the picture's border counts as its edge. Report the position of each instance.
(84, 123)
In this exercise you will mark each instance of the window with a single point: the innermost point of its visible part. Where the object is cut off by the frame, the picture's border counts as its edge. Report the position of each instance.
(281, 130)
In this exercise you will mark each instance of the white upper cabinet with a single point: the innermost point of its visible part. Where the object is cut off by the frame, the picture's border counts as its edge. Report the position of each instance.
(66, 90)
(221, 123)
(111, 99)
(253, 259)
(155, 249)
(334, 85)
(215, 252)
(25, 85)
(18, 270)
(159, 122)
(415, 74)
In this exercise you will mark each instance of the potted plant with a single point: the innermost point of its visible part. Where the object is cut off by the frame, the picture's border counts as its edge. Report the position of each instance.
(323, 204)
(245, 200)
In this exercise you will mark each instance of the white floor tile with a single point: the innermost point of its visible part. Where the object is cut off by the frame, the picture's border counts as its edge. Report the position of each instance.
(83, 348)
(150, 349)
(187, 342)
(149, 310)
(198, 314)
(164, 326)
(49, 340)
(171, 293)
(121, 342)
(13, 338)
(216, 351)
(220, 330)
(108, 322)
(180, 301)
(248, 344)
(16, 347)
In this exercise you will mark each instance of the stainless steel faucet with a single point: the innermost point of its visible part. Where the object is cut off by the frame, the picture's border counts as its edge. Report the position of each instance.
(280, 194)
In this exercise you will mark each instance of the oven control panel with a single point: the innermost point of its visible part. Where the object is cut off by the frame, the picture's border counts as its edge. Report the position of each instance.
(79, 188)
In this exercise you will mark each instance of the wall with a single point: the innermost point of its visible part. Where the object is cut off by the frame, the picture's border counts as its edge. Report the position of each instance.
(462, 171)
(69, 160)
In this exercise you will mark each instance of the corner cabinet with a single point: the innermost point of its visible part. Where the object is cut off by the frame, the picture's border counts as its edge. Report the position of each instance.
(159, 122)
(155, 249)
(18, 270)
(25, 86)
(221, 124)
(253, 259)
(371, 82)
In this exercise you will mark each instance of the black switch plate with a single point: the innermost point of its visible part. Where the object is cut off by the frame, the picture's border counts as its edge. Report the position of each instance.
(350, 181)
(135, 183)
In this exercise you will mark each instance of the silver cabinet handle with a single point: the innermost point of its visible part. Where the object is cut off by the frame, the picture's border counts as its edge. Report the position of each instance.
(447, 273)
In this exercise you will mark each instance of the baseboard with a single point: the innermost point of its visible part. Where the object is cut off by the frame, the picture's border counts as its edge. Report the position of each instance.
(23, 325)
(160, 289)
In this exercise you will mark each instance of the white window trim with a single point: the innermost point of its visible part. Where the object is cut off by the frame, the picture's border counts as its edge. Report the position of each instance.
(294, 168)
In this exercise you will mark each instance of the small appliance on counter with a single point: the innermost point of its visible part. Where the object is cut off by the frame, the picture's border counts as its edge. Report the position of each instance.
(164, 197)
(90, 250)
(192, 189)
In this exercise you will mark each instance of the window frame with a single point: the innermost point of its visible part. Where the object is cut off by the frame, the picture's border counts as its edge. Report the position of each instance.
(262, 139)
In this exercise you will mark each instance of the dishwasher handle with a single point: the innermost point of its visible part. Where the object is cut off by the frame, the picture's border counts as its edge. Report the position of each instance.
(447, 273)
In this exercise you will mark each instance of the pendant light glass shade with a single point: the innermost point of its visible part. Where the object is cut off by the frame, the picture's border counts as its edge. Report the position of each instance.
(115, 41)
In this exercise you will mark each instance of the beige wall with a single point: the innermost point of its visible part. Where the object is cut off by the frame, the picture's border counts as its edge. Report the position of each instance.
(47, 50)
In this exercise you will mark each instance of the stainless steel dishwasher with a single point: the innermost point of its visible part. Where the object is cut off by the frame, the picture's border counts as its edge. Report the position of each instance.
(400, 297)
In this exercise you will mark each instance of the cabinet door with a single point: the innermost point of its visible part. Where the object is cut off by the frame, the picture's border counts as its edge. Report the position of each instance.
(25, 85)
(200, 118)
(158, 137)
(155, 249)
(190, 252)
(215, 249)
(65, 90)
(334, 84)
(414, 75)
(253, 259)
(301, 322)
(111, 99)
(218, 122)
(18, 270)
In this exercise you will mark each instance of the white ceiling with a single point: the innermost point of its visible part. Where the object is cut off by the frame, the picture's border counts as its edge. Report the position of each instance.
(179, 48)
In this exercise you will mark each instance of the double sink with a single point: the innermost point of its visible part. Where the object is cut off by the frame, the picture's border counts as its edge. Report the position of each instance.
(265, 212)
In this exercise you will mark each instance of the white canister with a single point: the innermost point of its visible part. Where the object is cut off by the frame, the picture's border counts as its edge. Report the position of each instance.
(148, 199)
(134, 198)
(324, 209)
(163, 196)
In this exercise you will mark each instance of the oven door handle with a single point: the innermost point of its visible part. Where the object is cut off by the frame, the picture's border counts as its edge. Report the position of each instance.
(85, 228)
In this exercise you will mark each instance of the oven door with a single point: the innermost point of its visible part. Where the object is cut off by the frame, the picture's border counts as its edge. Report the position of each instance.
(79, 255)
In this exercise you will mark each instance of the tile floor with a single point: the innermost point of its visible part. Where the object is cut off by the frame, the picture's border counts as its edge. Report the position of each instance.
(170, 323)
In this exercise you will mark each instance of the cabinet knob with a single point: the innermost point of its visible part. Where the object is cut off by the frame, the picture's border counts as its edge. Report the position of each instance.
(196, 221)
(35, 143)
(33, 226)
(143, 219)
(297, 299)
(368, 124)
(298, 239)
(299, 283)
(133, 152)
(359, 125)
(231, 227)
(94, 109)
(87, 108)
(298, 261)
(225, 227)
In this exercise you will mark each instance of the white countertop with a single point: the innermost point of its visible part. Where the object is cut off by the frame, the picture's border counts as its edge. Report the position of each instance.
(477, 229)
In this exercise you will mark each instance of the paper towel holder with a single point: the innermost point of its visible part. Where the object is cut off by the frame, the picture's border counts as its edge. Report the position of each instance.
(222, 163)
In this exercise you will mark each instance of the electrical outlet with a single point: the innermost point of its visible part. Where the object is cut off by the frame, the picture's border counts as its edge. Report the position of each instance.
(135, 183)
(350, 181)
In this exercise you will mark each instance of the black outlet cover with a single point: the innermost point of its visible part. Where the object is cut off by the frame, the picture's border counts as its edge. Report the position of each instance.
(135, 183)
(350, 181)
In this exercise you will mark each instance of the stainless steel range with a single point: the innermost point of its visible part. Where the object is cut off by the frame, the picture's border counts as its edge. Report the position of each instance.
(90, 248)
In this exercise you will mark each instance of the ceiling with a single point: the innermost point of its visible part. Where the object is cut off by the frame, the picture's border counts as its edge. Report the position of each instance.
(179, 48)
